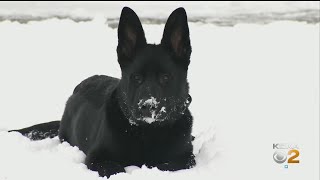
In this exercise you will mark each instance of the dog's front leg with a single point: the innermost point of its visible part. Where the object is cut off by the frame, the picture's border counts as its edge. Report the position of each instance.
(104, 167)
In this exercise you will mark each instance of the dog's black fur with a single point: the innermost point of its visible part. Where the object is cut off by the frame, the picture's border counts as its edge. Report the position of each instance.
(142, 118)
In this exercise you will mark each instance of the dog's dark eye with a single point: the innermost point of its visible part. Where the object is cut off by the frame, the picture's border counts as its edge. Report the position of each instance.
(164, 78)
(137, 78)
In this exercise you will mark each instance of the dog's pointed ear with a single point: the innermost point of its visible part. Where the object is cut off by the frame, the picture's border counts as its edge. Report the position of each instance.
(176, 36)
(130, 36)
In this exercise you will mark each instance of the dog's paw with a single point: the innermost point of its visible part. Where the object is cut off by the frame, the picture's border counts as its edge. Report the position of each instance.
(107, 168)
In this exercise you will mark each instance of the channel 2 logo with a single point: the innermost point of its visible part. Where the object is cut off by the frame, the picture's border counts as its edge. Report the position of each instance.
(286, 153)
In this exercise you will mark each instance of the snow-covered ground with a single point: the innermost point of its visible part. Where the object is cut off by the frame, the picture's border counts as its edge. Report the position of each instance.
(252, 85)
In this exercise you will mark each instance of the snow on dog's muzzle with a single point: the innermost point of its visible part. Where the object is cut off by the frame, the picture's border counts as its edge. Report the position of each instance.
(150, 110)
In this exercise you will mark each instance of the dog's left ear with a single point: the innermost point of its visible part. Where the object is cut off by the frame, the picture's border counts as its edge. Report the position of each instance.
(130, 36)
(176, 36)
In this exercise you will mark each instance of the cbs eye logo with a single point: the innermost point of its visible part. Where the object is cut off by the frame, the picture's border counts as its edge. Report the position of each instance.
(286, 152)
(281, 157)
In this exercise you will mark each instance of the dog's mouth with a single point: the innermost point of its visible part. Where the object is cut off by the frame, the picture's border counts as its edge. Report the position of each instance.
(156, 112)
(146, 120)
(154, 116)
(149, 111)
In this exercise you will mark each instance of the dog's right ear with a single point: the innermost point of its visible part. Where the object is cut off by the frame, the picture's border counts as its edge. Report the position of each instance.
(130, 36)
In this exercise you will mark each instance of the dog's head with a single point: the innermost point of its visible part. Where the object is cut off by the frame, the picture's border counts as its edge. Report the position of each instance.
(154, 87)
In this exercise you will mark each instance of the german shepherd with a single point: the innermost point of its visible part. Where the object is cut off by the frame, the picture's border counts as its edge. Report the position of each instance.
(140, 119)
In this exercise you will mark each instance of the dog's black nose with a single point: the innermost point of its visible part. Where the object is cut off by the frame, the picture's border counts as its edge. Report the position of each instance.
(147, 109)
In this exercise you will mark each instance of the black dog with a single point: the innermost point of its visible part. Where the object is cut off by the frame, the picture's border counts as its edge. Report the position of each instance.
(142, 118)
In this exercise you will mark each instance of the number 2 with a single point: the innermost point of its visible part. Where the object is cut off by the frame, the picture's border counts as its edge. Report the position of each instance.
(293, 159)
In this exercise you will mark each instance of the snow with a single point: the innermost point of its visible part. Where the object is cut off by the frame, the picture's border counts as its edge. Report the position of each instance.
(112, 9)
(151, 119)
(152, 102)
(252, 85)
(226, 13)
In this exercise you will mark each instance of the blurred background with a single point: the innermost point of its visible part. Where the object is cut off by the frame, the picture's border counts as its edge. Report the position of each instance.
(254, 81)
(223, 13)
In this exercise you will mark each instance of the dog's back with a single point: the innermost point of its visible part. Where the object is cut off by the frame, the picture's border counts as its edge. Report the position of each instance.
(80, 120)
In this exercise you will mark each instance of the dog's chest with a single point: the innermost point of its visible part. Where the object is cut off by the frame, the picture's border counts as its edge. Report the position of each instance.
(146, 146)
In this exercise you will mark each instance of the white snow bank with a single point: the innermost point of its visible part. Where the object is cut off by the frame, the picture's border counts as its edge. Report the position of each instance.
(153, 9)
(251, 85)
(221, 13)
